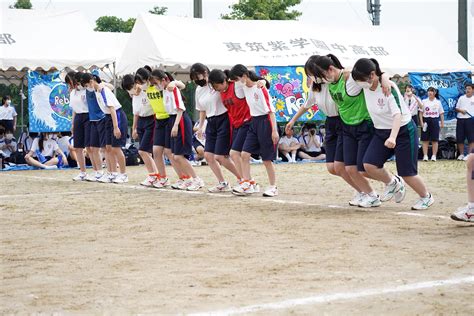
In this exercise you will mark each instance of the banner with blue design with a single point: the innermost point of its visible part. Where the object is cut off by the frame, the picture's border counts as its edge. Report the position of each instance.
(48, 99)
(289, 90)
(449, 85)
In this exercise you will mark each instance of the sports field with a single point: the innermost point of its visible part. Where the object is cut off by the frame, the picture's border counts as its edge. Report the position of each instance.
(90, 248)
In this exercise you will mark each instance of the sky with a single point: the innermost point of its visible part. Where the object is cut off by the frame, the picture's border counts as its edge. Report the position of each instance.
(436, 15)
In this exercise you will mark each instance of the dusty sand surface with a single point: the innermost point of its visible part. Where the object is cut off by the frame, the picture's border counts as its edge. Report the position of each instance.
(101, 248)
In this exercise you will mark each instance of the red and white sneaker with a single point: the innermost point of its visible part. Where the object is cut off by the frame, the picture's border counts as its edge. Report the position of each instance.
(178, 184)
(464, 214)
(245, 188)
(271, 191)
(162, 183)
(195, 184)
(220, 187)
(149, 181)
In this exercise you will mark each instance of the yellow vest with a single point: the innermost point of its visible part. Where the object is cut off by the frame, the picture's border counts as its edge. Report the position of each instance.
(156, 100)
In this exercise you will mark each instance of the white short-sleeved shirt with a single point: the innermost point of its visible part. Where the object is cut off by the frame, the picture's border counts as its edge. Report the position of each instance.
(412, 104)
(7, 112)
(49, 147)
(3, 146)
(78, 101)
(259, 100)
(63, 144)
(323, 100)
(106, 98)
(210, 101)
(173, 101)
(311, 147)
(432, 108)
(382, 108)
(141, 105)
(288, 140)
(467, 104)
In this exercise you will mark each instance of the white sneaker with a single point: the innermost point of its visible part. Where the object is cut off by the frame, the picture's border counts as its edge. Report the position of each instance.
(196, 184)
(82, 176)
(464, 214)
(162, 183)
(107, 178)
(149, 181)
(256, 186)
(245, 188)
(370, 201)
(465, 158)
(221, 187)
(425, 158)
(400, 195)
(271, 191)
(177, 185)
(461, 157)
(51, 167)
(356, 199)
(392, 189)
(121, 178)
(423, 203)
(433, 158)
(94, 178)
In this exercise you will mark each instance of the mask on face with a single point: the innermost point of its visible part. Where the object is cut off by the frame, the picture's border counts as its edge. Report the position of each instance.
(90, 89)
(144, 86)
(9, 102)
(201, 82)
(9, 136)
(364, 85)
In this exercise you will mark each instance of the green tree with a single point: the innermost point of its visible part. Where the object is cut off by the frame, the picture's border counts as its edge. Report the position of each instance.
(263, 10)
(158, 10)
(114, 24)
(21, 4)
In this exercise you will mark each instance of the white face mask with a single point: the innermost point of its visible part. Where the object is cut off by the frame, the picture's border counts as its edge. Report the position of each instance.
(144, 86)
(364, 85)
(239, 84)
(9, 136)
(9, 102)
(80, 88)
(90, 89)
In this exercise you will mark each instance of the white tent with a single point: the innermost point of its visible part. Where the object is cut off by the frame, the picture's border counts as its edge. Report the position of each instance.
(176, 42)
(44, 39)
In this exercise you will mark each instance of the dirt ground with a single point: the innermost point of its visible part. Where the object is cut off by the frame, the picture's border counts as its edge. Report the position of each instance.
(87, 248)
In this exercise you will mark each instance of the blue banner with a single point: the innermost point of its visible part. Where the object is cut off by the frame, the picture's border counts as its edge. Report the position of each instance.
(48, 103)
(450, 87)
(289, 90)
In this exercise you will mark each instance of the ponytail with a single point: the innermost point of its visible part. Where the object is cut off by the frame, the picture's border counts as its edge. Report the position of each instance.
(378, 72)
(316, 65)
(170, 76)
(335, 61)
(364, 67)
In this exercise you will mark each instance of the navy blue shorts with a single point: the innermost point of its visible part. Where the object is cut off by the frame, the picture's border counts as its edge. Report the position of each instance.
(81, 130)
(7, 124)
(109, 129)
(432, 132)
(416, 119)
(406, 150)
(334, 139)
(259, 138)
(197, 143)
(356, 141)
(239, 135)
(182, 144)
(145, 130)
(218, 135)
(465, 130)
(162, 133)
(97, 134)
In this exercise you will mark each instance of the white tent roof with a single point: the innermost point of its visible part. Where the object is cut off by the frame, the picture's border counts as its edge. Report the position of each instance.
(180, 42)
(43, 39)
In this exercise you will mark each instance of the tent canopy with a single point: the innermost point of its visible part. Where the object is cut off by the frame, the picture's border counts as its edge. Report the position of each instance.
(40, 39)
(178, 42)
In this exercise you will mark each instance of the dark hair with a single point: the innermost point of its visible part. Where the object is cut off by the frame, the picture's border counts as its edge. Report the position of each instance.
(409, 86)
(197, 69)
(142, 75)
(217, 76)
(147, 68)
(239, 70)
(316, 65)
(70, 79)
(5, 98)
(78, 77)
(87, 77)
(128, 81)
(160, 74)
(2, 130)
(40, 141)
(470, 85)
(316, 87)
(434, 90)
(363, 67)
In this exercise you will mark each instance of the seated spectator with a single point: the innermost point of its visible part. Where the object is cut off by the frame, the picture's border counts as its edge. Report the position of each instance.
(65, 143)
(8, 144)
(199, 143)
(311, 145)
(45, 153)
(26, 140)
(287, 145)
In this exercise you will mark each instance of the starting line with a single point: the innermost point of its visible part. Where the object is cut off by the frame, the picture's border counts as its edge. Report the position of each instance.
(326, 298)
(261, 199)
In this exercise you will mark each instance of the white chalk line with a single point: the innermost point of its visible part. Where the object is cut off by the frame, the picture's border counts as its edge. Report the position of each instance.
(220, 195)
(27, 195)
(330, 297)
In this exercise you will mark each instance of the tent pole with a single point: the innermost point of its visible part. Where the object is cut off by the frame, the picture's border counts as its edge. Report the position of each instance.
(22, 103)
(115, 79)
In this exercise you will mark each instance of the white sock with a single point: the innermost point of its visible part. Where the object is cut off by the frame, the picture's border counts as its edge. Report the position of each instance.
(288, 157)
(373, 194)
(293, 157)
(470, 205)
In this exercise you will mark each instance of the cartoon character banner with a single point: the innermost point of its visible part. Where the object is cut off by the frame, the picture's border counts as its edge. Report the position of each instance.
(289, 90)
(450, 87)
(48, 99)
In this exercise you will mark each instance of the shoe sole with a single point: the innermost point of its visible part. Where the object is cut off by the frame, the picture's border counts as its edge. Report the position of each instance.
(454, 217)
(240, 193)
(370, 206)
(422, 209)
